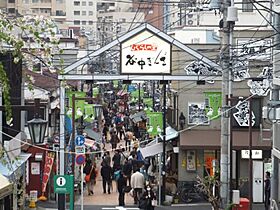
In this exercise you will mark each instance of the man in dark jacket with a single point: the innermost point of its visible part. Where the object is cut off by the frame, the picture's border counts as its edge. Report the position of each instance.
(267, 188)
(127, 170)
(116, 161)
(121, 185)
(106, 173)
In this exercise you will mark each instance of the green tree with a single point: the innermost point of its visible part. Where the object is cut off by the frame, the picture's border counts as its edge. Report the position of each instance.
(31, 40)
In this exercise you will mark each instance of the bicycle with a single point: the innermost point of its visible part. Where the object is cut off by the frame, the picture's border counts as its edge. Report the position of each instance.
(189, 193)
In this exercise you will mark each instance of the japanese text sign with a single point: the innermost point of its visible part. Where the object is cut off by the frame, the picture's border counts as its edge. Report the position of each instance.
(145, 53)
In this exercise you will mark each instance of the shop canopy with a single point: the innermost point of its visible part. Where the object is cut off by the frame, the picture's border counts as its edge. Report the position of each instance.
(171, 133)
(154, 148)
(6, 188)
(8, 168)
(138, 117)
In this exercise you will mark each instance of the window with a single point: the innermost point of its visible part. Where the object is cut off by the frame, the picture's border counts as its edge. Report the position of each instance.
(77, 3)
(35, 1)
(90, 3)
(90, 13)
(76, 22)
(84, 22)
(59, 13)
(84, 13)
(84, 3)
(76, 12)
(59, 1)
(90, 22)
(25, 1)
(247, 6)
(11, 10)
(11, 1)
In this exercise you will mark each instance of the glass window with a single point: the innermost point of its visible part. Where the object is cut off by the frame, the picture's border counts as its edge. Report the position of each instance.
(77, 3)
(90, 22)
(84, 3)
(90, 13)
(11, 10)
(11, 1)
(84, 12)
(84, 22)
(25, 1)
(76, 22)
(90, 3)
(76, 12)
(35, 1)
(247, 6)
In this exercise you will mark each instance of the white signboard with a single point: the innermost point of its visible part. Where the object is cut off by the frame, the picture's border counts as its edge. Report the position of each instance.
(145, 53)
(80, 149)
(256, 154)
(35, 168)
(255, 49)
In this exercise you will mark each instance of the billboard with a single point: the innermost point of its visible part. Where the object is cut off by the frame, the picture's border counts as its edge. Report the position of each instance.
(145, 53)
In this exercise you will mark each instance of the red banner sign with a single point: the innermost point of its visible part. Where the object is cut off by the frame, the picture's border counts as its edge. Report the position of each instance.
(47, 169)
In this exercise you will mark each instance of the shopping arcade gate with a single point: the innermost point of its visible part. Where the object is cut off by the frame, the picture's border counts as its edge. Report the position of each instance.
(162, 73)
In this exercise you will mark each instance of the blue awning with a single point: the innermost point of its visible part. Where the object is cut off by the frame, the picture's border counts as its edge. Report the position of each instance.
(7, 168)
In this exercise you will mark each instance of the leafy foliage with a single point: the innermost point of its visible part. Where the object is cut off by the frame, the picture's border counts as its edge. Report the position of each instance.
(30, 39)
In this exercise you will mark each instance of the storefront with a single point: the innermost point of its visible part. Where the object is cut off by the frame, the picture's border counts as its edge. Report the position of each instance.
(200, 155)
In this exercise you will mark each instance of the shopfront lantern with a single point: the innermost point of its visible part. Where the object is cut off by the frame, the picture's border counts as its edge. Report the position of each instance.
(37, 129)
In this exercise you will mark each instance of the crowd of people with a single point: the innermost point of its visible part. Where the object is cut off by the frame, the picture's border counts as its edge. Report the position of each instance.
(122, 161)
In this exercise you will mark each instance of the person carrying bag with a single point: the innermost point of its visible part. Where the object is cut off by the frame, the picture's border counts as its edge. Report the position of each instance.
(90, 176)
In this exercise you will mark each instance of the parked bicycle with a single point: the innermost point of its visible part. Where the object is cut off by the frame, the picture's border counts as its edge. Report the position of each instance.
(188, 193)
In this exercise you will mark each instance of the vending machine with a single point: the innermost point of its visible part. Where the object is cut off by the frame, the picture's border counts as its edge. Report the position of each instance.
(258, 184)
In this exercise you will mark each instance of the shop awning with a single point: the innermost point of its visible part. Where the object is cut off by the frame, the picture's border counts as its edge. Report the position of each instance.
(97, 136)
(7, 169)
(154, 148)
(6, 188)
(171, 133)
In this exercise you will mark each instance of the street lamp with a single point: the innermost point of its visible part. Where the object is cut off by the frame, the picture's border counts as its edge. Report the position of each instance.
(37, 129)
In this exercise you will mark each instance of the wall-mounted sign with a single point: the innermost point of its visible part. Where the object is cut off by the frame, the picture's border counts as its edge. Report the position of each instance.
(240, 69)
(191, 160)
(197, 114)
(145, 53)
(261, 87)
(200, 68)
(213, 104)
(255, 50)
(242, 116)
(35, 168)
(256, 154)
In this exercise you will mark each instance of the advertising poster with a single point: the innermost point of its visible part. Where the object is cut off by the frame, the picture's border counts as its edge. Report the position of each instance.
(79, 104)
(197, 114)
(89, 113)
(154, 123)
(213, 104)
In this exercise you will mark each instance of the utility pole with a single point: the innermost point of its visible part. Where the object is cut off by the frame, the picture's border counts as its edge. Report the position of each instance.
(226, 25)
(275, 126)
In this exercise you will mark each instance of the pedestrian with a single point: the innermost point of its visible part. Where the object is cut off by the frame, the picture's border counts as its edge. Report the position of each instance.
(127, 170)
(267, 188)
(106, 159)
(114, 140)
(148, 198)
(137, 184)
(121, 184)
(128, 139)
(106, 173)
(89, 169)
(116, 161)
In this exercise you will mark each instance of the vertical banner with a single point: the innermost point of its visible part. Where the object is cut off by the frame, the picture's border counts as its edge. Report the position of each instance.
(155, 123)
(49, 159)
(213, 104)
(79, 104)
